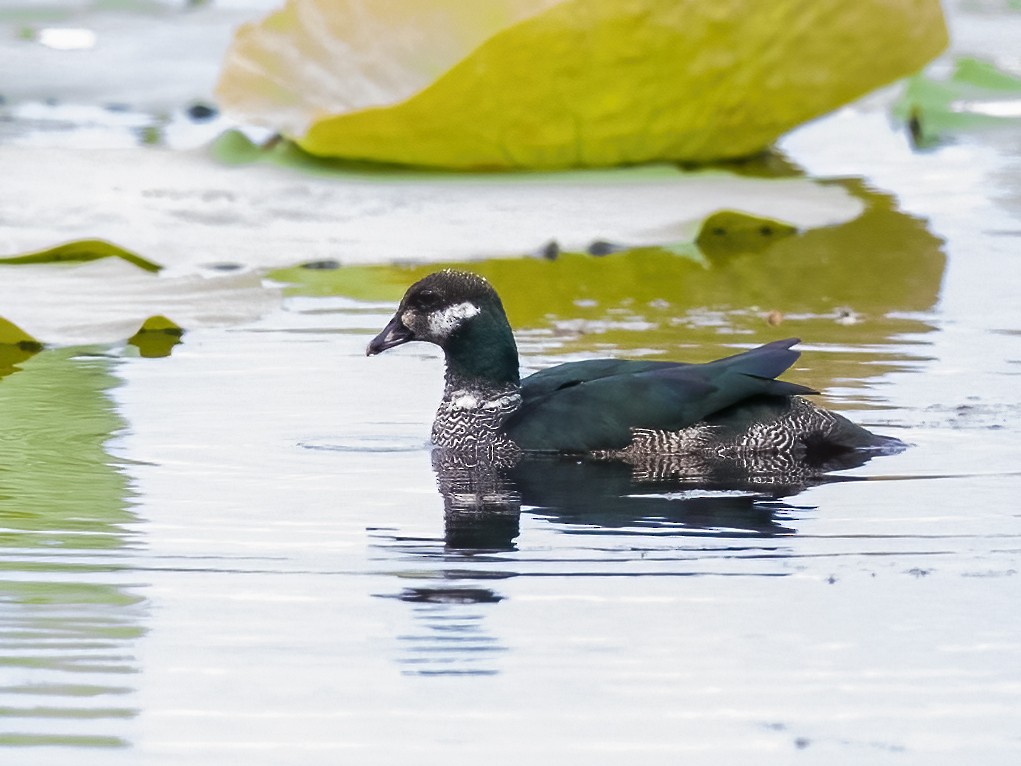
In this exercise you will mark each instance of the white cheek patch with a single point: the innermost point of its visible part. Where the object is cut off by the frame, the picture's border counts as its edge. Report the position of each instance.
(442, 323)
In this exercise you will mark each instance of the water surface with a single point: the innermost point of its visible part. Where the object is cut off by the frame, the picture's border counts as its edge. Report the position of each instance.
(238, 552)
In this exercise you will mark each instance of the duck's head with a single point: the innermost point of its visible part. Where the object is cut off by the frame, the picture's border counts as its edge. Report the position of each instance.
(437, 308)
(462, 314)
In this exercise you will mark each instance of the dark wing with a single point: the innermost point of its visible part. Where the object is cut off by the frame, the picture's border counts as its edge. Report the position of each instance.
(585, 406)
(562, 376)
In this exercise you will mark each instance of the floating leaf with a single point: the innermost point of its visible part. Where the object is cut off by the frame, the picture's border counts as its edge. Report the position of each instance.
(16, 346)
(157, 337)
(562, 83)
(12, 335)
(80, 251)
(730, 232)
(103, 301)
(882, 261)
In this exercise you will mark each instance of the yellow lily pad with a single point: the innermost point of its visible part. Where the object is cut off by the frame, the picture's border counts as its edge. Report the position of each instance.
(563, 83)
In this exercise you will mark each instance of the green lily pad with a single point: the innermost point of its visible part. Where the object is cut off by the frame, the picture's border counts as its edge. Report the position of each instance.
(80, 251)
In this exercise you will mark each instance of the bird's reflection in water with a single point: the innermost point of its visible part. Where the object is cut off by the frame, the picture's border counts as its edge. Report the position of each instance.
(481, 501)
(451, 638)
(483, 497)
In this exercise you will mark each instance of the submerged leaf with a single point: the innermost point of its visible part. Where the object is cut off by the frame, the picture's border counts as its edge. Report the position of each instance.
(562, 83)
(80, 251)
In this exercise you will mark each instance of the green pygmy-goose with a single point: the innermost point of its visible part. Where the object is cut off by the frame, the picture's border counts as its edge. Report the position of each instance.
(729, 406)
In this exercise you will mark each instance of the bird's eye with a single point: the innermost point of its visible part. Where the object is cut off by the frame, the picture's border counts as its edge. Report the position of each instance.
(427, 300)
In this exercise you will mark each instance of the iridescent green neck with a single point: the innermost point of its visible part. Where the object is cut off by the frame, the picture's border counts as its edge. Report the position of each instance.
(482, 354)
